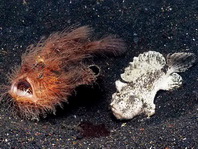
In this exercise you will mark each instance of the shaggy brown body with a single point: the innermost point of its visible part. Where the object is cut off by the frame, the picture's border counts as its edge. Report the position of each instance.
(51, 70)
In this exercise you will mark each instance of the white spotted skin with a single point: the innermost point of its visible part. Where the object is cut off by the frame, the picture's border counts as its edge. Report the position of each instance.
(141, 80)
(133, 100)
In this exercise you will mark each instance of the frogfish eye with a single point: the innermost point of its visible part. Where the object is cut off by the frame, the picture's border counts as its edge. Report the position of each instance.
(24, 85)
(95, 69)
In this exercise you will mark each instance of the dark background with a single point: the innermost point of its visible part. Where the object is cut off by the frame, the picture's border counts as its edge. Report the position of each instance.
(87, 122)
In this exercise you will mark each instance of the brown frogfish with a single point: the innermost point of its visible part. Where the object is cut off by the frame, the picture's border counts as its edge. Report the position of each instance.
(51, 70)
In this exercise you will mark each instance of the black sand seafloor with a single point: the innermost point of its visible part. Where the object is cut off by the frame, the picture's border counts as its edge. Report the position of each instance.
(87, 122)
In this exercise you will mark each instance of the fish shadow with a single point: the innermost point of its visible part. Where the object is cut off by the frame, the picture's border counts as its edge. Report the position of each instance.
(85, 97)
